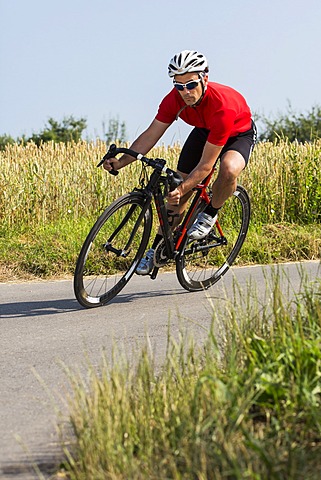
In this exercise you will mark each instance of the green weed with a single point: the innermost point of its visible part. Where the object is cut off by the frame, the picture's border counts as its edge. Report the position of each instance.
(245, 405)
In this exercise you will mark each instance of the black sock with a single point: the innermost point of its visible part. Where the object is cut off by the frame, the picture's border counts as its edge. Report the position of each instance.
(211, 210)
(157, 240)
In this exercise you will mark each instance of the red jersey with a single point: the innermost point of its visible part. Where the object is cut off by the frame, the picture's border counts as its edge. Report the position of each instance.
(223, 111)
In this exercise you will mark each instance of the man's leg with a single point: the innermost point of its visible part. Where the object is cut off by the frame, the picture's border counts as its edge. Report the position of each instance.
(234, 157)
(175, 215)
(231, 165)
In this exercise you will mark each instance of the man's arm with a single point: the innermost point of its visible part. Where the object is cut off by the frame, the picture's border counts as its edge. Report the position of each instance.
(202, 169)
(210, 155)
(143, 144)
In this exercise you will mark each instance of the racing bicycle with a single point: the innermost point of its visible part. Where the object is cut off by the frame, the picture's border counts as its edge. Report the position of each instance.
(117, 241)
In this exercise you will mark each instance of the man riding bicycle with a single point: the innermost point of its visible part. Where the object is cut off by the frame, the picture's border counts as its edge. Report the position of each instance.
(223, 129)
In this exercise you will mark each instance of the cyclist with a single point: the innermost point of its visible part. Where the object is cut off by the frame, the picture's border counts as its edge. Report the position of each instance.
(223, 128)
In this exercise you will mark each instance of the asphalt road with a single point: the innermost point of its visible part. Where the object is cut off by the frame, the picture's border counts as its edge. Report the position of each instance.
(44, 328)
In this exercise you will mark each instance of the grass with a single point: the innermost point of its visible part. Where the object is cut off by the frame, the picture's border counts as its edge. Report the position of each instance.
(54, 181)
(245, 405)
(51, 250)
(52, 194)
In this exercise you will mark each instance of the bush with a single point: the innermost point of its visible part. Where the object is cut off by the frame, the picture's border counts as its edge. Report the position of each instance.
(302, 127)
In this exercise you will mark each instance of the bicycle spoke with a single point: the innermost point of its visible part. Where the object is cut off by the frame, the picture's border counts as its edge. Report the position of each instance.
(203, 262)
(112, 250)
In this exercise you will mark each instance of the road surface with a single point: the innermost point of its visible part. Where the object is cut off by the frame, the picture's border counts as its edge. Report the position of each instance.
(43, 328)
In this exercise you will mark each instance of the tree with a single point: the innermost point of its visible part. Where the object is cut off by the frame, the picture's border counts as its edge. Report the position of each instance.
(6, 140)
(292, 125)
(116, 131)
(70, 129)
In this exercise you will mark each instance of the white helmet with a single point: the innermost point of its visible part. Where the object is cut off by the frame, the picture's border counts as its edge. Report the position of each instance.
(187, 61)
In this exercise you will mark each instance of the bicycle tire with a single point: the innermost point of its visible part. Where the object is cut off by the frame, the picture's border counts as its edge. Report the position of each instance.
(106, 262)
(200, 264)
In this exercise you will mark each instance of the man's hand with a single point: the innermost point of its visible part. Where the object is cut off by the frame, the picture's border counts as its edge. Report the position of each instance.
(112, 163)
(174, 197)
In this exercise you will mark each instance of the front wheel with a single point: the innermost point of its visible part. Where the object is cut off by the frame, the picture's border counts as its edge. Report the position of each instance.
(112, 250)
(202, 263)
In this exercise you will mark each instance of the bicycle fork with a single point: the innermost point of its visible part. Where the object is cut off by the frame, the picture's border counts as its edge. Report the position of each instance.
(124, 251)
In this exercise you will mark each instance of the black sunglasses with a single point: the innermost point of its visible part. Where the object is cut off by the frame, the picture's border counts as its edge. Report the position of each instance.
(189, 85)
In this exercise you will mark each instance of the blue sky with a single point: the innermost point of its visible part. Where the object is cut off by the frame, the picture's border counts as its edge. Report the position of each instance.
(102, 59)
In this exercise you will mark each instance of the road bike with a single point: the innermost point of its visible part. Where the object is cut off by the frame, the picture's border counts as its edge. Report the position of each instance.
(117, 241)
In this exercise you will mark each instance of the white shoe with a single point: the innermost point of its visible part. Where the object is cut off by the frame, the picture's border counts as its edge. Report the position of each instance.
(202, 226)
(146, 264)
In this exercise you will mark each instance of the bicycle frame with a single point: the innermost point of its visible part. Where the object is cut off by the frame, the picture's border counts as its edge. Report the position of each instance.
(201, 195)
(173, 246)
(152, 190)
(122, 233)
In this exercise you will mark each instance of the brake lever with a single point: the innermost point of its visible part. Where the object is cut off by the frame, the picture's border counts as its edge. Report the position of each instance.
(175, 180)
(109, 154)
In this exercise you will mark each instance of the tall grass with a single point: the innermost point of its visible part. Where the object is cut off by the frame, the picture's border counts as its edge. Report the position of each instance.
(51, 195)
(57, 181)
(246, 405)
(53, 181)
(284, 182)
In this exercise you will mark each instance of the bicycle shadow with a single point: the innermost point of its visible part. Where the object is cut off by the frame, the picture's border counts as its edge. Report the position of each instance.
(40, 308)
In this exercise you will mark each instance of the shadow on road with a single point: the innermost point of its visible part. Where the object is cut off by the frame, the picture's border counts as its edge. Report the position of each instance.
(38, 308)
(52, 307)
(27, 471)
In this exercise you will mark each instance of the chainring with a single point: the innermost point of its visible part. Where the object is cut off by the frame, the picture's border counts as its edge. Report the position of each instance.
(160, 254)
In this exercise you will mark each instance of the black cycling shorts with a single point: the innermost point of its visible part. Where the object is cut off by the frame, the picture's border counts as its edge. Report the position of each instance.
(193, 147)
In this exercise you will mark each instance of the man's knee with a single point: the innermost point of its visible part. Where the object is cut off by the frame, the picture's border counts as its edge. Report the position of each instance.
(231, 166)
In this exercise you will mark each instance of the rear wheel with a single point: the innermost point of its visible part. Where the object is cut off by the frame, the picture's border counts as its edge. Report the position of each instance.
(203, 262)
(112, 250)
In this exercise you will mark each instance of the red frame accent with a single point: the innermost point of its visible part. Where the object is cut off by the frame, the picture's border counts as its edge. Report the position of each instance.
(204, 196)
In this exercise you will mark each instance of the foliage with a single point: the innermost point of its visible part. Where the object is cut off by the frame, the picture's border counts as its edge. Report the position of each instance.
(116, 132)
(246, 405)
(69, 130)
(303, 127)
(50, 196)
(50, 250)
(283, 180)
(41, 184)
(6, 140)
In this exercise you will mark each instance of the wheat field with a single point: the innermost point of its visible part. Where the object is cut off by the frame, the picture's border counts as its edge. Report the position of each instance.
(51, 195)
(43, 184)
